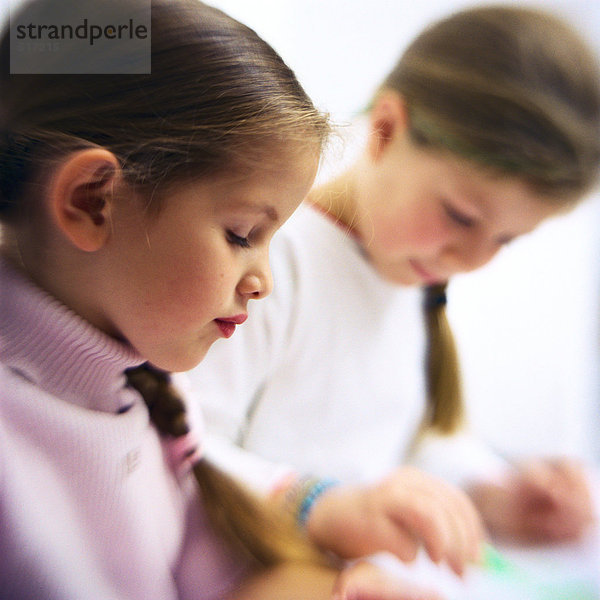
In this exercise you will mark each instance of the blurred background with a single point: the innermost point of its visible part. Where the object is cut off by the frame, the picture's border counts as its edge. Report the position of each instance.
(528, 324)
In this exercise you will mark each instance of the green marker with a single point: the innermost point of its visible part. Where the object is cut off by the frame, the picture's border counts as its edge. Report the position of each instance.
(499, 564)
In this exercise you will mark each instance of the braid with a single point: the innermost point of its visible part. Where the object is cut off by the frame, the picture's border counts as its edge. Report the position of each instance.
(444, 390)
(166, 407)
(251, 526)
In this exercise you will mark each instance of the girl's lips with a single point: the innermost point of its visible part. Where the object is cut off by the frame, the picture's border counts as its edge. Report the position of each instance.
(227, 325)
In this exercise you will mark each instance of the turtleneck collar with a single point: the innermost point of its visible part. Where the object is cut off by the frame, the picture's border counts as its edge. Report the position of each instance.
(50, 345)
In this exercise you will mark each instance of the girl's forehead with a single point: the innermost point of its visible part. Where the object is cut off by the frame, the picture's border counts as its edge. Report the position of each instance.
(482, 182)
(286, 166)
(246, 189)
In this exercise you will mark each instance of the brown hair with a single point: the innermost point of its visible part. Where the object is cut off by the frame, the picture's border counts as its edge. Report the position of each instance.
(517, 91)
(446, 411)
(219, 100)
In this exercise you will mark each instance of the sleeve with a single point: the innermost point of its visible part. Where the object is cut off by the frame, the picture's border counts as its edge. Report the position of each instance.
(461, 458)
(261, 475)
(229, 382)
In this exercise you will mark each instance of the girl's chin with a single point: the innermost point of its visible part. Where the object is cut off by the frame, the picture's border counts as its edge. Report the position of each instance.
(178, 363)
(398, 276)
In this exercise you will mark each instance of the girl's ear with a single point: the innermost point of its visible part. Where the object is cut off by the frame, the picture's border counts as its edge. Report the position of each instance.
(81, 197)
(388, 119)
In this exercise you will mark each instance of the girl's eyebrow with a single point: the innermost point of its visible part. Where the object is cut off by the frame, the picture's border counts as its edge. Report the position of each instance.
(266, 209)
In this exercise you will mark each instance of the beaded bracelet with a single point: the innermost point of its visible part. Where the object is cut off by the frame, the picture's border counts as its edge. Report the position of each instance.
(302, 495)
(310, 498)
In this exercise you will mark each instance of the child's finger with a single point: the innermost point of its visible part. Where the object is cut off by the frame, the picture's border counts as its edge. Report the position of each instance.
(447, 525)
(468, 534)
(428, 525)
(465, 526)
(472, 523)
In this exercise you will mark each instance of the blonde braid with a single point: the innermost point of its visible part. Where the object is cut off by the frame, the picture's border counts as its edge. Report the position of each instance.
(444, 389)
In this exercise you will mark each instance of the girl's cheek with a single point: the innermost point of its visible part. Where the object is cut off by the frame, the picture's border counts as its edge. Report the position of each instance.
(387, 237)
(431, 228)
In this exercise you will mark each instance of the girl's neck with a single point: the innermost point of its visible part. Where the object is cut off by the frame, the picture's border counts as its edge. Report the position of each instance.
(338, 200)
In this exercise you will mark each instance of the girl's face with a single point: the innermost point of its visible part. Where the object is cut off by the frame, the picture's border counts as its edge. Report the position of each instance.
(177, 281)
(426, 216)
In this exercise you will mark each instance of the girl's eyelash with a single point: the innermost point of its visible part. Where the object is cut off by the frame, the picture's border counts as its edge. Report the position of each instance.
(237, 240)
(458, 217)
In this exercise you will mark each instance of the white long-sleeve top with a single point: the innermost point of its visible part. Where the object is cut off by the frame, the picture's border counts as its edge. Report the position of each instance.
(327, 375)
(93, 503)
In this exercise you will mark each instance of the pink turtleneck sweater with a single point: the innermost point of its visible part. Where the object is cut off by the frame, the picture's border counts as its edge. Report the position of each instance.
(92, 505)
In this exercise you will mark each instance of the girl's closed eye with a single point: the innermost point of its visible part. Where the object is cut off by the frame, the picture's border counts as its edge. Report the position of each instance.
(458, 216)
(237, 240)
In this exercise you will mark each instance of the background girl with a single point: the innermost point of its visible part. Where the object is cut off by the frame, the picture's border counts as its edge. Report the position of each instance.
(487, 126)
(126, 203)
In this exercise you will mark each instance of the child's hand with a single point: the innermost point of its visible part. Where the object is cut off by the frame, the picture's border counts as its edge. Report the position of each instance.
(542, 501)
(406, 510)
(364, 581)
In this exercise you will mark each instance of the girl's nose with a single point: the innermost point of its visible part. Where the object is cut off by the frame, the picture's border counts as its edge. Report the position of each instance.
(256, 285)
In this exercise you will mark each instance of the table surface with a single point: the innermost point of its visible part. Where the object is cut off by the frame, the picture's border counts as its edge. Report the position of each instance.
(558, 572)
